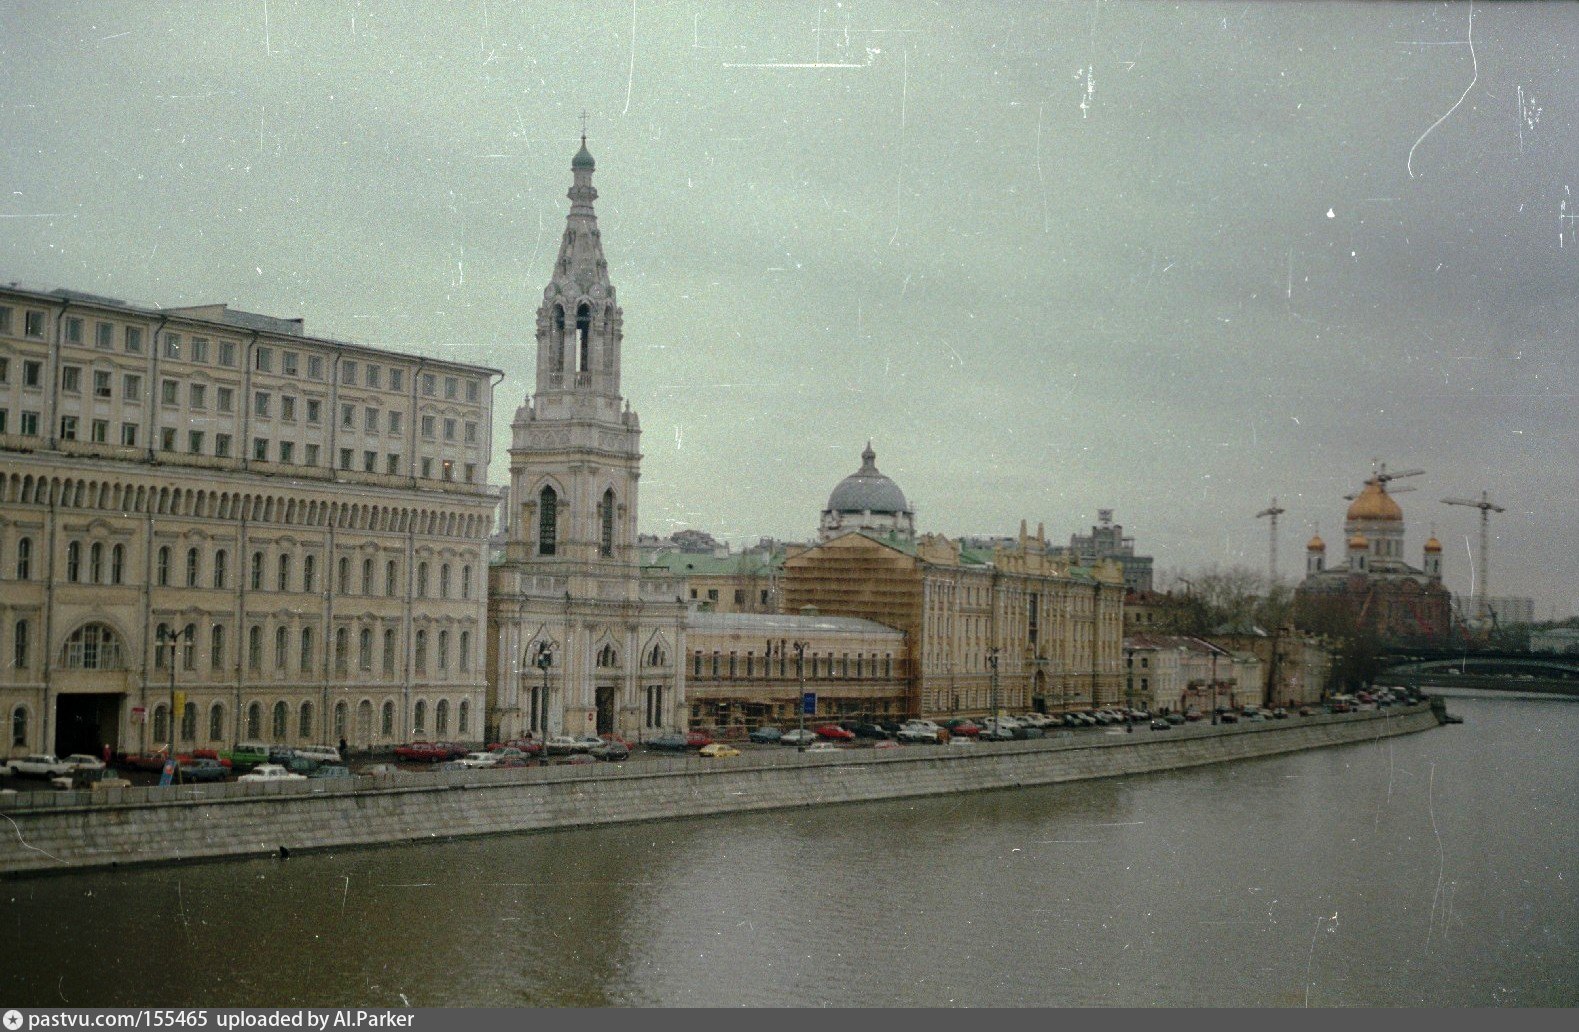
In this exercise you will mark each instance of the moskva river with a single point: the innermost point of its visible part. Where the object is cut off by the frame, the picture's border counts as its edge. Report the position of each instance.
(1435, 869)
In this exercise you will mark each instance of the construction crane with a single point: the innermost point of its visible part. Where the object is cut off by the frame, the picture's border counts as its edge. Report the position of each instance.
(1273, 511)
(1382, 478)
(1486, 507)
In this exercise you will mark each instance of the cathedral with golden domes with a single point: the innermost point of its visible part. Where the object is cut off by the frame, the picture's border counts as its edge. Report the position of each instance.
(1372, 587)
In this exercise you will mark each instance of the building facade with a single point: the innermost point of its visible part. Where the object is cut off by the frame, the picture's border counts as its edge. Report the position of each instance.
(215, 527)
(1107, 541)
(582, 638)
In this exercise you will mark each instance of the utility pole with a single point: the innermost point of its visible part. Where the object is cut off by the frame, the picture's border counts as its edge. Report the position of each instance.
(1486, 507)
(1273, 511)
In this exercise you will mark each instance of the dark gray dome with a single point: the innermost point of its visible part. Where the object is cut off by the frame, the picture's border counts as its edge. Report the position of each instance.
(867, 490)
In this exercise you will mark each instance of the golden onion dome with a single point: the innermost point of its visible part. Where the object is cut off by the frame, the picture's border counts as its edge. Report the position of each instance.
(1358, 541)
(1374, 503)
(1316, 544)
(1433, 545)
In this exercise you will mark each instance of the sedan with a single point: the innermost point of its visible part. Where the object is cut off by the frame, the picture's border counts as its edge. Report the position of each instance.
(330, 772)
(836, 733)
(39, 765)
(271, 772)
(1175, 719)
(798, 737)
(614, 751)
(563, 745)
(669, 743)
(718, 751)
(1280, 714)
(1160, 725)
(82, 761)
(425, 752)
(964, 728)
(202, 769)
(767, 735)
(872, 731)
(473, 760)
(697, 739)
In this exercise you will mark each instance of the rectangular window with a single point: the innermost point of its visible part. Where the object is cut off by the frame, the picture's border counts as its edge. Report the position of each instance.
(222, 445)
(129, 435)
(397, 379)
(73, 330)
(167, 392)
(473, 391)
(71, 379)
(132, 387)
(372, 376)
(449, 470)
(102, 383)
(198, 352)
(263, 360)
(314, 410)
(348, 373)
(429, 384)
(427, 468)
(471, 432)
(194, 441)
(167, 438)
(260, 449)
(101, 431)
(471, 473)
(33, 324)
(29, 424)
(288, 407)
(392, 466)
(5, 369)
(315, 367)
(449, 429)
(370, 420)
(32, 373)
(227, 354)
(310, 456)
(133, 340)
(394, 422)
(199, 396)
(370, 462)
(288, 363)
(348, 416)
(172, 345)
(427, 426)
(450, 386)
(68, 428)
(104, 336)
(225, 397)
(5, 319)
(260, 404)
(345, 458)
(287, 451)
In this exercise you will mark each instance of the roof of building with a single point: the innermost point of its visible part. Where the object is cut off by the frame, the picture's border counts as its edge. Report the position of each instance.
(1432, 544)
(1374, 503)
(867, 490)
(694, 564)
(784, 623)
(583, 158)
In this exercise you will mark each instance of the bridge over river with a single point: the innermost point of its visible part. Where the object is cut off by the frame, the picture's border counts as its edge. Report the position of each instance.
(1542, 673)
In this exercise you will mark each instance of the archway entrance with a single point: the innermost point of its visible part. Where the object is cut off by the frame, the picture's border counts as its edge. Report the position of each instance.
(605, 700)
(87, 722)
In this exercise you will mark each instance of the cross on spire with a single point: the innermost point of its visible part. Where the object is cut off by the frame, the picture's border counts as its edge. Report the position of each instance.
(583, 125)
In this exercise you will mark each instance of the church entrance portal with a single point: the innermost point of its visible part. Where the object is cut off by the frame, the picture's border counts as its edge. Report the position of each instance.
(605, 710)
(86, 723)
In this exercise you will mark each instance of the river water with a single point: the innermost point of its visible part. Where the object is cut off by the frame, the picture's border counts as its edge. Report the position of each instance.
(1434, 869)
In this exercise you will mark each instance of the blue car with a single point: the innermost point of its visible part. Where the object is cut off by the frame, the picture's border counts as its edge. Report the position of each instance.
(767, 735)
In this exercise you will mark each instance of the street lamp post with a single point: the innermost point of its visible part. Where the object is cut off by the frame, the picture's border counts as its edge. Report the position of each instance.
(992, 662)
(544, 660)
(800, 701)
(168, 637)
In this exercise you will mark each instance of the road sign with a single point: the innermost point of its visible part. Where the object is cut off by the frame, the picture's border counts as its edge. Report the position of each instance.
(808, 703)
(138, 713)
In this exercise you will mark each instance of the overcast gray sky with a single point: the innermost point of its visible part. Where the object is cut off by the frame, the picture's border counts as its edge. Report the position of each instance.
(1169, 259)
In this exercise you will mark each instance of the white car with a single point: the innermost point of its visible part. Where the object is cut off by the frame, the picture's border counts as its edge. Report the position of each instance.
(39, 765)
(82, 761)
(919, 731)
(562, 745)
(271, 772)
(799, 737)
(478, 759)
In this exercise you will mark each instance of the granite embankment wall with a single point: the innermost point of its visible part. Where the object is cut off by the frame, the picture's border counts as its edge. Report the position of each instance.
(65, 831)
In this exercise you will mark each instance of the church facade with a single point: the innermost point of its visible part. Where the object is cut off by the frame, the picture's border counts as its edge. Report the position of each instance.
(582, 638)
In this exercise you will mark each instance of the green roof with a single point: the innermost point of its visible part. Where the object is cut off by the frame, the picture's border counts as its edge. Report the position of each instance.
(693, 564)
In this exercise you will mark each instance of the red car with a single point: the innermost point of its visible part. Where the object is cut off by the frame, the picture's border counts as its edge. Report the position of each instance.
(965, 728)
(697, 739)
(423, 752)
(835, 732)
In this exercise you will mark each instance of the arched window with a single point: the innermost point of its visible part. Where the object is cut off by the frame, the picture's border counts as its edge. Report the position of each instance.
(441, 718)
(189, 722)
(96, 563)
(466, 581)
(307, 649)
(19, 656)
(466, 651)
(305, 721)
(189, 648)
(309, 573)
(254, 721)
(73, 561)
(463, 725)
(339, 720)
(161, 723)
(162, 567)
(342, 649)
(163, 649)
(364, 650)
(387, 721)
(367, 576)
(419, 717)
(257, 571)
(255, 648)
(606, 545)
(117, 564)
(607, 657)
(282, 575)
(556, 355)
(389, 652)
(444, 651)
(191, 567)
(216, 722)
(444, 581)
(343, 575)
(547, 521)
(24, 558)
(656, 656)
(583, 338)
(389, 578)
(421, 651)
(282, 647)
(19, 728)
(220, 558)
(281, 717)
(364, 721)
(422, 580)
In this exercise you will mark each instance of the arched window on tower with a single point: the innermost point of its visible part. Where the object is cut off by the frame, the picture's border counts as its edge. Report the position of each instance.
(583, 338)
(608, 340)
(556, 349)
(606, 544)
(547, 521)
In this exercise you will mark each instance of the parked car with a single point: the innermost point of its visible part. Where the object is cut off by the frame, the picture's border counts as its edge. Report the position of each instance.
(697, 739)
(1175, 718)
(247, 754)
(1280, 714)
(919, 731)
(320, 753)
(1306, 711)
(962, 728)
(503, 753)
(270, 772)
(669, 743)
(798, 737)
(422, 752)
(872, 731)
(82, 761)
(614, 751)
(330, 772)
(718, 751)
(767, 735)
(834, 732)
(614, 739)
(478, 760)
(1192, 715)
(201, 769)
(1161, 725)
(525, 744)
(1227, 717)
(38, 765)
(592, 745)
(563, 745)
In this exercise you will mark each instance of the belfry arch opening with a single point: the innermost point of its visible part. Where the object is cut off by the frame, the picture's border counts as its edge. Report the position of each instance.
(583, 338)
